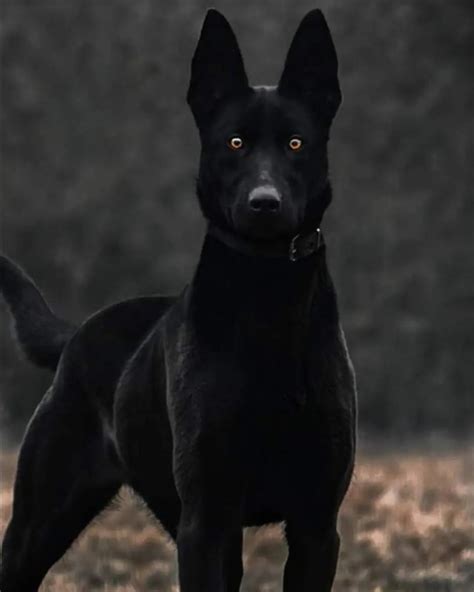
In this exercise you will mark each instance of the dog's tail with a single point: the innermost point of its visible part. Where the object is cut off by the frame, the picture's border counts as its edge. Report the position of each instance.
(40, 333)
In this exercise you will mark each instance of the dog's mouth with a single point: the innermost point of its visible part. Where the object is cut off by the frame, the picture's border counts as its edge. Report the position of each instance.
(263, 228)
(263, 214)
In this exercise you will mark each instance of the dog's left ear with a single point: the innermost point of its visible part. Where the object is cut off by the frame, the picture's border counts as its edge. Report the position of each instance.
(217, 69)
(310, 71)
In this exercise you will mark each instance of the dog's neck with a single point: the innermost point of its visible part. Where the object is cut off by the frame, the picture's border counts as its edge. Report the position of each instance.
(266, 313)
(299, 246)
(235, 295)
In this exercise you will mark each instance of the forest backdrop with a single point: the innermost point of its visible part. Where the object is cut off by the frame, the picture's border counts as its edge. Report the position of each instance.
(99, 156)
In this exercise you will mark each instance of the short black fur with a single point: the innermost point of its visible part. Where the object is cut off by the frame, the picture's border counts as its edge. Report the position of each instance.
(232, 404)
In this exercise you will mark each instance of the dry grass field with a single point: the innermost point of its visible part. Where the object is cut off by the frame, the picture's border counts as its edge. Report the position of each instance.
(407, 525)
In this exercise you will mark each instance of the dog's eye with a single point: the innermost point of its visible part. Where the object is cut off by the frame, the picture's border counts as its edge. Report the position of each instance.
(295, 144)
(235, 142)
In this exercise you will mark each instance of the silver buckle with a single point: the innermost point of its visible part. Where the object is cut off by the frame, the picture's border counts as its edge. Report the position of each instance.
(293, 252)
(318, 242)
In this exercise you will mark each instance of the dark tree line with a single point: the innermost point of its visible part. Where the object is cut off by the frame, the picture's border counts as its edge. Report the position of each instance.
(99, 155)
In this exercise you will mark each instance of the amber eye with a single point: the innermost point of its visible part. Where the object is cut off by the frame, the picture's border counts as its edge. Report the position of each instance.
(295, 144)
(235, 142)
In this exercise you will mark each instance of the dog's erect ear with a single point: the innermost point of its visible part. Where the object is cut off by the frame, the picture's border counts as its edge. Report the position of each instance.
(217, 69)
(310, 72)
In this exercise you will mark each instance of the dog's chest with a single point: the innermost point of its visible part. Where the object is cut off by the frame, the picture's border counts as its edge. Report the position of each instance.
(283, 455)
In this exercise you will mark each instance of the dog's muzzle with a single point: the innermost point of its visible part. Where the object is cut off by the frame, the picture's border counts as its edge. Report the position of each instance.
(265, 199)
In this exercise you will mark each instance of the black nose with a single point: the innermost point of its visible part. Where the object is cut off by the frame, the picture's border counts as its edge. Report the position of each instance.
(264, 199)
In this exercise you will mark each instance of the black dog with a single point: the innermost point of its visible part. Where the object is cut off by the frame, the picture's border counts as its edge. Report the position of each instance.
(233, 404)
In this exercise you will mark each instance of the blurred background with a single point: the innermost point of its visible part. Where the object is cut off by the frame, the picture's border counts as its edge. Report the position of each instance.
(99, 155)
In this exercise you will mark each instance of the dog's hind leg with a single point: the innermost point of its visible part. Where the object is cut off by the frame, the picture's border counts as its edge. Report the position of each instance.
(66, 475)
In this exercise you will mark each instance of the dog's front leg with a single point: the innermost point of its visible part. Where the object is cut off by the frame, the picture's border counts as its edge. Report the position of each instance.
(210, 529)
(209, 551)
(312, 558)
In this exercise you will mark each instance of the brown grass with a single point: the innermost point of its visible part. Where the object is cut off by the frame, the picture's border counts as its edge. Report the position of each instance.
(407, 525)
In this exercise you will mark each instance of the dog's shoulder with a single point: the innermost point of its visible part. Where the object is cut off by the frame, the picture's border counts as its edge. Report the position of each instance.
(126, 318)
(106, 340)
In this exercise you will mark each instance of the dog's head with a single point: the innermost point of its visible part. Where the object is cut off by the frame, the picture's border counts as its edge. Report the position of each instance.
(263, 168)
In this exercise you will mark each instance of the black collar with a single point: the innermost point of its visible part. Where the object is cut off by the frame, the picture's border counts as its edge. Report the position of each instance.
(300, 246)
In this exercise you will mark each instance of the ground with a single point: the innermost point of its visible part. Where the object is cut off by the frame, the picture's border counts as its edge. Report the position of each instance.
(407, 525)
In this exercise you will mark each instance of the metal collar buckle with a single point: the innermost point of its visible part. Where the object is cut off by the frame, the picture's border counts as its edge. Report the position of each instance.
(313, 245)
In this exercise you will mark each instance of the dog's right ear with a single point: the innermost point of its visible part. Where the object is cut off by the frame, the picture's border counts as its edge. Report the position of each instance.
(310, 72)
(217, 69)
